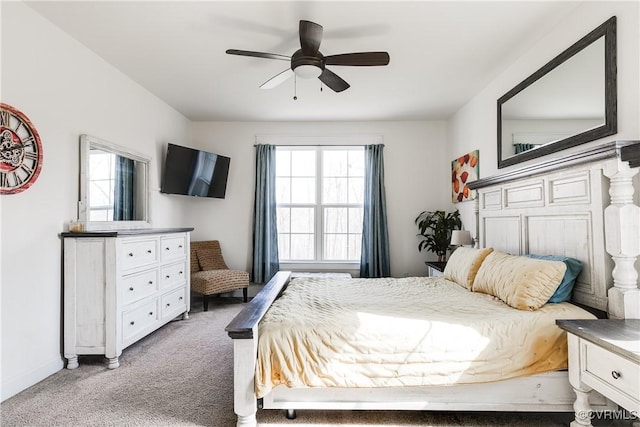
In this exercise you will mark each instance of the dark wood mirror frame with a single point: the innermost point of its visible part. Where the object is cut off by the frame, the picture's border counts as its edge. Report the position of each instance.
(608, 30)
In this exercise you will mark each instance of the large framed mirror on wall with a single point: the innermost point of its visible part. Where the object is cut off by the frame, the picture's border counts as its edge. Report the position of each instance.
(114, 186)
(569, 101)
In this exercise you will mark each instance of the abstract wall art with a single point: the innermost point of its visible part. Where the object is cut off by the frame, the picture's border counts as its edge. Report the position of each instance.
(464, 170)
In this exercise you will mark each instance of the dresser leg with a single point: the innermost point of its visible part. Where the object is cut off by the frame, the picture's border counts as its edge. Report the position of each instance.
(582, 409)
(72, 361)
(113, 362)
(185, 315)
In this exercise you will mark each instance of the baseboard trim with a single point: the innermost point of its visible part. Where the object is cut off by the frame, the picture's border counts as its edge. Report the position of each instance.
(17, 383)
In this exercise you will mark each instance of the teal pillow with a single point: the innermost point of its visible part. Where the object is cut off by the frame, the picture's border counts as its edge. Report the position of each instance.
(574, 267)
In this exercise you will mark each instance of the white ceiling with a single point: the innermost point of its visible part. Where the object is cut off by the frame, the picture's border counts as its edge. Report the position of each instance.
(442, 53)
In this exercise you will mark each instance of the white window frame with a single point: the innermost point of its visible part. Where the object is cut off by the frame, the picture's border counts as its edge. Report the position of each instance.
(322, 142)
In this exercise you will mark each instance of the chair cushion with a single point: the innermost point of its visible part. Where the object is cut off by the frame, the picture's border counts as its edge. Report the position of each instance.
(212, 282)
(210, 259)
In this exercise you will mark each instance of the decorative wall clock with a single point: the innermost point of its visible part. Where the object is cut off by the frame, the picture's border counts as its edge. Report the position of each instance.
(20, 151)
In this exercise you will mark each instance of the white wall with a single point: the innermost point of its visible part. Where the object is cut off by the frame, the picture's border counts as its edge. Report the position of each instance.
(474, 125)
(416, 179)
(65, 90)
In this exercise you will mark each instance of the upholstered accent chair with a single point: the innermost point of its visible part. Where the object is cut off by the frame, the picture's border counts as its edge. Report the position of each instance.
(210, 274)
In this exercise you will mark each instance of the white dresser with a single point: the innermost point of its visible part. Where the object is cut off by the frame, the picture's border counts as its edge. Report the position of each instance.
(120, 286)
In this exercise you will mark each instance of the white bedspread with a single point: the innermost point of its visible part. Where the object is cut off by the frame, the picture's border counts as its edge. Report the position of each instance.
(403, 332)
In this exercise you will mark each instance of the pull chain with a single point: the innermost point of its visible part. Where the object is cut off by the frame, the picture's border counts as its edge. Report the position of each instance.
(295, 87)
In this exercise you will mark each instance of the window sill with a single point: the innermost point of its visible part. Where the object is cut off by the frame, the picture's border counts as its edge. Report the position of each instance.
(347, 267)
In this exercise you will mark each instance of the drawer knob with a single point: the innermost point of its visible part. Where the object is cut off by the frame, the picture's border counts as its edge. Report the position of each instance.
(168, 304)
(151, 313)
(180, 299)
(151, 282)
(130, 253)
(131, 288)
(167, 276)
(166, 249)
(180, 272)
(132, 323)
(180, 246)
(148, 251)
(615, 375)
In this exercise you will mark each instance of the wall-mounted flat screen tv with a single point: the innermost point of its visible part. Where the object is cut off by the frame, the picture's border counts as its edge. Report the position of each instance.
(194, 172)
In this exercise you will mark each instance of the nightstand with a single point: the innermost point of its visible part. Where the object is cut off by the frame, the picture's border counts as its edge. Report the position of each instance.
(604, 355)
(435, 268)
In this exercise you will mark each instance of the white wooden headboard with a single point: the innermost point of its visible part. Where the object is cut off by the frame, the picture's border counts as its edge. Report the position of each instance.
(581, 206)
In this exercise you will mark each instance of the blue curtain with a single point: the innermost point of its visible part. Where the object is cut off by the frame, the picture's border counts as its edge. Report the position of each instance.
(374, 260)
(123, 189)
(265, 232)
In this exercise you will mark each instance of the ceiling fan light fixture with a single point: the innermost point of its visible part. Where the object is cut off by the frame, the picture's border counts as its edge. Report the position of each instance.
(309, 63)
(307, 71)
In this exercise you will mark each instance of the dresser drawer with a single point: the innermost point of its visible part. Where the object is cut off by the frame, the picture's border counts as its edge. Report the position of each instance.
(172, 274)
(137, 253)
(173, 303)
(616, 371)
(137, 286)
(173, 247)
(136, 321)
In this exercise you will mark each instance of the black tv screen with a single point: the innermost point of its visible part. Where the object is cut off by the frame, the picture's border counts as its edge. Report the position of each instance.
(194, 172)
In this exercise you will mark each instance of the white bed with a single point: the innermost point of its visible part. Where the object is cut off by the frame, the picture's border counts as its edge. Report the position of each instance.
(408, 332)
(559, 207)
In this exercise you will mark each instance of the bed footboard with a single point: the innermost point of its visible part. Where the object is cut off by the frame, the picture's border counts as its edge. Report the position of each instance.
(243, 329)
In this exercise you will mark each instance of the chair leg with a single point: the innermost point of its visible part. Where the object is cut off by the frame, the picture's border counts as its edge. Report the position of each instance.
(205, 302)
(244, 294)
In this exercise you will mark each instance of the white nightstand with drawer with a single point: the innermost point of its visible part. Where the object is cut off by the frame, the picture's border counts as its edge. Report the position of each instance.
(435, 268)
(604, 355)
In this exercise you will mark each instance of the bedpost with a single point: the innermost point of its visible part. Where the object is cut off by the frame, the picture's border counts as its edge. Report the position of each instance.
(476, 218)
(622, 240)
(243, 329)
(244, 396)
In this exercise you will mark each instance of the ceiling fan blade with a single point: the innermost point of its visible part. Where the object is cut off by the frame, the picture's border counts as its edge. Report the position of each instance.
(277, 79)
(360, 59)
(334, 81)
(310, 37)
(258, 54)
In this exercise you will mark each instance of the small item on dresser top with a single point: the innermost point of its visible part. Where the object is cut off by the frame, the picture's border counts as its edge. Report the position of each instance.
(76, 226)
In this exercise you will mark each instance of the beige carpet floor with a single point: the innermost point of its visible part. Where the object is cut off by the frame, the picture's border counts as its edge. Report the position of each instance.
(182, 375)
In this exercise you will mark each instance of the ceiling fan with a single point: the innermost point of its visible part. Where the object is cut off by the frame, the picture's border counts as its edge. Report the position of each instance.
(308, 62)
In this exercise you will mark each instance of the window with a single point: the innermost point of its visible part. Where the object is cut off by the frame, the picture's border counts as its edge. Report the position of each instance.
(319, 196)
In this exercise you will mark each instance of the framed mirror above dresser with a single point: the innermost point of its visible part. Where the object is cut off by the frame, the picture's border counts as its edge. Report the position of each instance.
(571, 100)
(114, 186)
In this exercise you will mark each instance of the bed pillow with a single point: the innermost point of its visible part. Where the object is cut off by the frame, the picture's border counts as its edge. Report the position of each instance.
(463, 265)
(521, 282)
(574, 267)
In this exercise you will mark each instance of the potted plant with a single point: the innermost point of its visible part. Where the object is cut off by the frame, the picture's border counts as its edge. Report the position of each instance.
(435, 229)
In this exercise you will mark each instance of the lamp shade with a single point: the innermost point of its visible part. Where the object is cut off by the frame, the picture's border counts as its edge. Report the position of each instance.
(461, 238)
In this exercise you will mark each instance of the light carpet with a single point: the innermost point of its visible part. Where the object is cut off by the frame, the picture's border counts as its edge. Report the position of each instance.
(182, 375)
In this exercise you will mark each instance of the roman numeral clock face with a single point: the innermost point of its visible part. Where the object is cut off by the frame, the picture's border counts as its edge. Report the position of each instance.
(20, 151)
